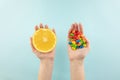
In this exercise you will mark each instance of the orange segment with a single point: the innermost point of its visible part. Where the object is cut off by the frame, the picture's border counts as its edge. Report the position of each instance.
(44, 40)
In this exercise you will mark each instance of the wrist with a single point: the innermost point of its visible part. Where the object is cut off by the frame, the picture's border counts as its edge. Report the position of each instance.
(47, 61)
(77, 62)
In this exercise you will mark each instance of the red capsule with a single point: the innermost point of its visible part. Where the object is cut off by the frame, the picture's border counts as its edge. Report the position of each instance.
(76, 31)
(70, 36)
(75, 37)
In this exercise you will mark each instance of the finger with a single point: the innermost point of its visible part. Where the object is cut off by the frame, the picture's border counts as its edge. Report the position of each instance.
(41, 25)
(76, 26)
(88, 43)
(31, 44)
(70, 30)
(46, 26)
(53, 30)
(80, 28)
(36, 28)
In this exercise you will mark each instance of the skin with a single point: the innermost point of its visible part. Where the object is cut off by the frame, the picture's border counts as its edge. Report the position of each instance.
(77, 57)
(46, 59)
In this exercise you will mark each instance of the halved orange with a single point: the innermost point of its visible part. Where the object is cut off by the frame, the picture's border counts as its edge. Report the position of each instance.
(44, 40)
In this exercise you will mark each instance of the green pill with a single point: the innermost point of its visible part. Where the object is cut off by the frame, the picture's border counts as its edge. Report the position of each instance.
(71, 34)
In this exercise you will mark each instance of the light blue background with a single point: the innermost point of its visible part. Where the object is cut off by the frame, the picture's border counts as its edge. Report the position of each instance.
(101, 20)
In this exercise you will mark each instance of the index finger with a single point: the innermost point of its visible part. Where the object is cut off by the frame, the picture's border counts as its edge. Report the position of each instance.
(80, 28)
(71, 28)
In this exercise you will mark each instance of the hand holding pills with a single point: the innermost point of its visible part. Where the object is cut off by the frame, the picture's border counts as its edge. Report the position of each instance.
(78, 45)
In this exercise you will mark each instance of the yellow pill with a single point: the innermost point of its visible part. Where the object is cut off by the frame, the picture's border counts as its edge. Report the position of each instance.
(73, 42)
(73, 48)
(84, 45)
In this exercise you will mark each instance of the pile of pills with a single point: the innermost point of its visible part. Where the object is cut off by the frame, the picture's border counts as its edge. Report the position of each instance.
(77, 40)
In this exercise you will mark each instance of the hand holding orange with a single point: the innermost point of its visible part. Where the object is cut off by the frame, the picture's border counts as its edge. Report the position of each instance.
(44, 40)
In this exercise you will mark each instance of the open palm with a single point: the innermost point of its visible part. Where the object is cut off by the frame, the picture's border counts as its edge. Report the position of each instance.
(78, 54)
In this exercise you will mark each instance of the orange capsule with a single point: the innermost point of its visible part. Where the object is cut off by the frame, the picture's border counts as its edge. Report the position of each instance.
(80, 38)
(73, 42)
(79, 35)
(73, 31)
(79, 44)
(84, 39)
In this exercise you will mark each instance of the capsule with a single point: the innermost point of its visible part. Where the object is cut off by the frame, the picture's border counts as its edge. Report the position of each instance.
(84, 45)
(73, 31)
(70, 42)
(71, 34)
(73, 42)
(77, 41)
(73, 48)
(81, 46)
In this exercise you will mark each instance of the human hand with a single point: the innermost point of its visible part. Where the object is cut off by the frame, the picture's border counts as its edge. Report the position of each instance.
(43, 56)
(78, 54)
